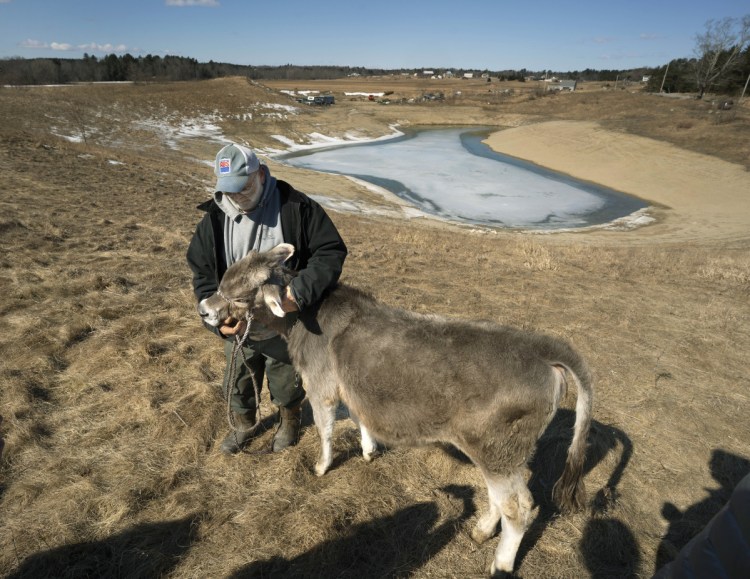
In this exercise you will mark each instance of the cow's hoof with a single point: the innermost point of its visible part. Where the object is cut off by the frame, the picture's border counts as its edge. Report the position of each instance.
(498, 574)
(321, 469)
(369, 457)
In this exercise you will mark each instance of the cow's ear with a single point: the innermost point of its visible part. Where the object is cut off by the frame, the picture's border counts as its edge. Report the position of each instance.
(272, 298)
(281, 252)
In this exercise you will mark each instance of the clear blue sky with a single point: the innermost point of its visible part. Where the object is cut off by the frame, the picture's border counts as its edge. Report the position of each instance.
(472, 34)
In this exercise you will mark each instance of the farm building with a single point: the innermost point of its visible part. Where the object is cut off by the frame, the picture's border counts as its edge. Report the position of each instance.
(563, 85)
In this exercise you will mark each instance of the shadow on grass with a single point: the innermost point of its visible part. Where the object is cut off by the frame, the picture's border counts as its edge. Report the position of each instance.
(727, 470)
(600, 533)
(146, 550)
(387, 547)
(610, 549)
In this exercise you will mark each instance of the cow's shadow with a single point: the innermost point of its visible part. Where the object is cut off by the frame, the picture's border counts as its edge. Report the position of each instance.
(145, 550)
(727, 469)
(386, 547)
(552, 450)
(546, 468)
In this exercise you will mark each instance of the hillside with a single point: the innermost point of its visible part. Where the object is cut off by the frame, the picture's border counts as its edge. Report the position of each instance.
(111, 405)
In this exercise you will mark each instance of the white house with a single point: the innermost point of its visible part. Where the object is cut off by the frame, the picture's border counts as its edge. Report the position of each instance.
(563, 85)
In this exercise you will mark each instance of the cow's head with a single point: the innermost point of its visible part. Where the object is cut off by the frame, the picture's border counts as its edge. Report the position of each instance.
(255, 281)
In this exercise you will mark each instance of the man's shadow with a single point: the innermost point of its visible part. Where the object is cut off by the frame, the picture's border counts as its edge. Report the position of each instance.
(386, 547)
(610, 549)
(145, 550)
(727, 469)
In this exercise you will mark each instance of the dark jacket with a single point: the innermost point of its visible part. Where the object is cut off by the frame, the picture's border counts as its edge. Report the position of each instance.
(319, 251)
(722, 548)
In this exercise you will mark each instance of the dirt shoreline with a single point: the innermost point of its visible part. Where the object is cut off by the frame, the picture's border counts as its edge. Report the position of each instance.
(695, 196)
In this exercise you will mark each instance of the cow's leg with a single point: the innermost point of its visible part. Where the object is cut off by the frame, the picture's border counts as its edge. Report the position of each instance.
(369, 446)
(487, 523)
(516, 504)
(324, 414)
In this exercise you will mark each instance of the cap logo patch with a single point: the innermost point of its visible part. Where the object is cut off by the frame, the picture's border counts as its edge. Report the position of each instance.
(225, 165)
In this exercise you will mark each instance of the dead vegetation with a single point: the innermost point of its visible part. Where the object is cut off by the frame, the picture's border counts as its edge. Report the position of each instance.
(110, 400)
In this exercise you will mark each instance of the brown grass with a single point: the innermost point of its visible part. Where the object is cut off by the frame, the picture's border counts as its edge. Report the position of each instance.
(110, 400)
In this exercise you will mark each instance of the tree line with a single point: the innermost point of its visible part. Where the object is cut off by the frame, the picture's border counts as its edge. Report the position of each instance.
(721, 64)
(118, 68)
(721, 61)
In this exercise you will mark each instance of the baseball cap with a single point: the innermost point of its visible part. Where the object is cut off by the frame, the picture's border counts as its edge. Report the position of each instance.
(233, 166)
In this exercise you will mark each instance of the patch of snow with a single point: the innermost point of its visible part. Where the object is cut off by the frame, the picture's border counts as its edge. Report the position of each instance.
(632, 221)
(201, 127)
(360, 207)
(287, 141)
(280, 107)
(70, 138)
(376, 94)
(320, 141)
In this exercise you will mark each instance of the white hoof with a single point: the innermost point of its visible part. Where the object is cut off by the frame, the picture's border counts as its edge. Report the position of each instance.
(321, 469)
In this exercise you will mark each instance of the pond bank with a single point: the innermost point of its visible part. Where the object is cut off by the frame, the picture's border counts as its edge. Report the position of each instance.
(700, 196)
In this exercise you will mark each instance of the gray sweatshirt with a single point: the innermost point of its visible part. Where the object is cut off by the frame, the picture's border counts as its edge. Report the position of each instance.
(255, 230)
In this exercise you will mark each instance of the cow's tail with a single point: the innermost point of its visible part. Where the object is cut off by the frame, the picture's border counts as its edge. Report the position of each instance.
(569, 492)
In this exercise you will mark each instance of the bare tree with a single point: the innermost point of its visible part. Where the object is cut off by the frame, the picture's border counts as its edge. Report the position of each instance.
(717, 50)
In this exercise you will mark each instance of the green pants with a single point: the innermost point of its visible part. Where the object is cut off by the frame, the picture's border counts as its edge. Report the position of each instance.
(265, 357)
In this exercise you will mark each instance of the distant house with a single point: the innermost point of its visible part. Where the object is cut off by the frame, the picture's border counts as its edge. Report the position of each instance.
(428, 72)
(568, 85)
(468, 75)
(563, 85)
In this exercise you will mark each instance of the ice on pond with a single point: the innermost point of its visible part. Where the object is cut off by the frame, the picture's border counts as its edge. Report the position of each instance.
(450, 173)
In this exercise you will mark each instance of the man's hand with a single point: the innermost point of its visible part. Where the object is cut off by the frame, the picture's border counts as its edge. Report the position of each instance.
(232, 327)
(288, 303)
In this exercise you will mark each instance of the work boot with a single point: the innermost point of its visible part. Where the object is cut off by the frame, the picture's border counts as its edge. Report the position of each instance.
(236, 439)
(288, 432)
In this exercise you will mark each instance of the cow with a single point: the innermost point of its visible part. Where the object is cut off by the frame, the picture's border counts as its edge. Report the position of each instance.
(411, 379)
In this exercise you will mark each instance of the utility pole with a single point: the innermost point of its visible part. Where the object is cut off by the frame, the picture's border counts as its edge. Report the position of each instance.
(742, 96)
(661, 88)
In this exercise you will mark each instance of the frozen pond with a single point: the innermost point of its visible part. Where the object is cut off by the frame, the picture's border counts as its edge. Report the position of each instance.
(450, 173)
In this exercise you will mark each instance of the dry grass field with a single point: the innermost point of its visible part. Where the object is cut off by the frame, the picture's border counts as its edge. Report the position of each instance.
(110, 400)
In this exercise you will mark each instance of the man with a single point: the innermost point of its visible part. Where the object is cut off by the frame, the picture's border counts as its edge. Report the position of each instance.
(252, 211)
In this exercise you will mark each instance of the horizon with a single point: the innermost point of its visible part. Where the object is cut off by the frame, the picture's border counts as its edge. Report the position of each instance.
(483, 35)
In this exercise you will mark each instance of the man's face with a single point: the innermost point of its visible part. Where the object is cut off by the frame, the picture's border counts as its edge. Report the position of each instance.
(248, 198)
